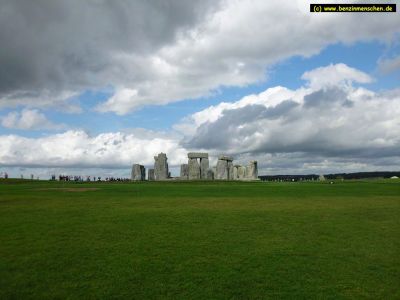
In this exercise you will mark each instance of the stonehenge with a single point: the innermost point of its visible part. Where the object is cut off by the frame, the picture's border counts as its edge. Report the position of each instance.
(197, 168)
(138, 172)
(184, 172)
(150, 175)
(249, 172)
(224, 168)
(161, 167)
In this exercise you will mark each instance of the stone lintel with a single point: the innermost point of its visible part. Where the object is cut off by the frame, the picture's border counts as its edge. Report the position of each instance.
(197, 155)
(224, 157)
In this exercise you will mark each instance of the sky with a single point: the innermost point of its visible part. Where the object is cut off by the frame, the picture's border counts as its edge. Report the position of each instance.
(92, 87)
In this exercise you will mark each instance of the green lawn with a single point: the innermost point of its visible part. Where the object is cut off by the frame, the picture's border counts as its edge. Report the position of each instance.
(200, 240)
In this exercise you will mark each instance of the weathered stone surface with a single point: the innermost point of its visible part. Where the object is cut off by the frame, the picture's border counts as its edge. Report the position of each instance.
(230, 170)
(138, 172)
(235, 172)
(194, 169)
(150, 175)
(252, 170)
(197, 155)
(184, 171)
(241, 172)
(210, 174)
(224, 157)
(161, 167)
(204, 165)
(222, 170)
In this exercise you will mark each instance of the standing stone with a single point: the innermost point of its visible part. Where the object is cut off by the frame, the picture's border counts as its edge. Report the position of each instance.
(236, 172)
(161, 167)
(138, 172)
(230, 170)
(143, 173)
(184, 171)
(150, 175)
(194, 169)
(204, 165)
(241, 173)
(252, 170)
(222, 170)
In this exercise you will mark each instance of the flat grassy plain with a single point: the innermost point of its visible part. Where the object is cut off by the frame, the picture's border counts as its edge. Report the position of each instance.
(200, 240)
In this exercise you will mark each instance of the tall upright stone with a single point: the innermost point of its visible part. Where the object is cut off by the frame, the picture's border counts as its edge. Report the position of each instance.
(138, 172)
(198, 165)
(204, 165)
(241, 173)
(252, 170)
(194, 169)
(222, 170)
(184, 171)
(161, 167)
(230, 170)
(235, 172)
(150, 175)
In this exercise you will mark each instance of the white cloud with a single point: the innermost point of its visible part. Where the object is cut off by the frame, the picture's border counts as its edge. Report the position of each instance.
(28, 119)
(333, 75)
(320, 120)
(164, 52)
(78, 149)
(313, 129)
(121, 102)
(236, 45)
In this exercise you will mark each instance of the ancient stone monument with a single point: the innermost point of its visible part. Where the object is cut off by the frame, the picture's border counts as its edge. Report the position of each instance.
(198, 165)
(184, 172)
(252, 170)
(224, 170)
(161, 167)
(150, 175)
(138, 172)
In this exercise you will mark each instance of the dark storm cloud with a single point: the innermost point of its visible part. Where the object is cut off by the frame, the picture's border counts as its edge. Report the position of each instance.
(68, 45)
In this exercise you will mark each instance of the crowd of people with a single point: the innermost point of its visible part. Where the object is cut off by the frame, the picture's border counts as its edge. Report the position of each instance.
(87, 178)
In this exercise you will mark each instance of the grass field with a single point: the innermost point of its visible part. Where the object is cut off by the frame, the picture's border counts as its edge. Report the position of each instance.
(200, 240)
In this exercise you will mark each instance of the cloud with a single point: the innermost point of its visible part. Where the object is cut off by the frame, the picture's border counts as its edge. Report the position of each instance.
(78, 149)
(313, 129)
(323, 121)
(28, 119)
(156, 52)
(333, 75)
(389, 65)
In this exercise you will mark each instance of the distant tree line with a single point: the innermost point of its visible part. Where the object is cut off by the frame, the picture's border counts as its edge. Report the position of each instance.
(310, 177)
